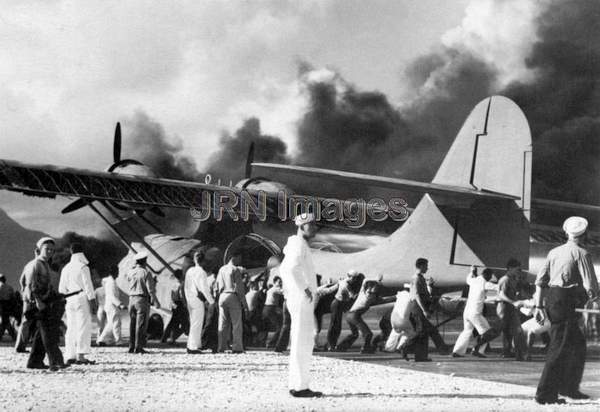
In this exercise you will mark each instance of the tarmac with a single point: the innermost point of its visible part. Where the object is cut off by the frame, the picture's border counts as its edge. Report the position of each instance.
(169, 379)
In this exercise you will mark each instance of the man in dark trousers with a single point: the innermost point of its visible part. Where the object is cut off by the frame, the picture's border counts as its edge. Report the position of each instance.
(420, 294)
(344, 298)
(508, 311)
(38, 298)
(567, 278)
(141, 295)
(7, 304)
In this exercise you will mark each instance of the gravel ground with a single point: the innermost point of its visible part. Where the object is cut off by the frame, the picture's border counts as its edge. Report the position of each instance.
(169, 379)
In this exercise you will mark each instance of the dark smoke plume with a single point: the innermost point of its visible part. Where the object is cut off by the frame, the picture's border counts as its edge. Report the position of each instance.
(562, 104)
(369, 135)
(145, 140)
(229, 162)
(148, 143)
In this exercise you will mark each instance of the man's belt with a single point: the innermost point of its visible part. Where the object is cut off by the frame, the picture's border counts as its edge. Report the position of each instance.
(68, 295)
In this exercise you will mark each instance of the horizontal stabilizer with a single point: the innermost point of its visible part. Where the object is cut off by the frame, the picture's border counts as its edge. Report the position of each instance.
(388, 182)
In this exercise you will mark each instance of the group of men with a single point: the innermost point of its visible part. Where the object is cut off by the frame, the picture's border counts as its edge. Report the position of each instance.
(227, 301)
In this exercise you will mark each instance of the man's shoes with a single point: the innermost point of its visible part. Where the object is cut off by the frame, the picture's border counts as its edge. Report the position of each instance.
(456, 355)
(423, 360)
(305, 393)
(576, 395)
(477, 354)
(54, 368)
(237, 352)
(37, 366)
(507, 355)
(557, 401)
(141, 351)
(85, 361)
(64, 366)
(194, 351)
(131, 350)
(22, 350)
(100, 344)
(71, 361)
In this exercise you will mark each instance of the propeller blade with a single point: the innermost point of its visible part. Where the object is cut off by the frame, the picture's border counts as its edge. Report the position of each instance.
(71, 207)
(249, 161)
(117, 144)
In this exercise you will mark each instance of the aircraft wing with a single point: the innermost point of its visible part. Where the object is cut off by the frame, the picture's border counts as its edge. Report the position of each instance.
(388, 182)
(137, 191)
(52, 181)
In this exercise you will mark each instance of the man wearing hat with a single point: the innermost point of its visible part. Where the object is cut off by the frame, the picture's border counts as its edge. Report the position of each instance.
(37, 295)
(566, 279)
(141, 295)
(75, 277)
(300, 286)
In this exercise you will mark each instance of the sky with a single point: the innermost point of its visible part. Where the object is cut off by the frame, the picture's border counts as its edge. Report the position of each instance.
(70, 70)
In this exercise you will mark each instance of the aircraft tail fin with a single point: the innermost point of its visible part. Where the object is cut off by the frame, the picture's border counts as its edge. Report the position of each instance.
(492, 152)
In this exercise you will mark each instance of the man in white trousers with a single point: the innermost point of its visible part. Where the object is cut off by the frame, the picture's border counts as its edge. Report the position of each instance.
(473, 314)
(300, 287)
(74, 277)
(112, 306)
(197, 293)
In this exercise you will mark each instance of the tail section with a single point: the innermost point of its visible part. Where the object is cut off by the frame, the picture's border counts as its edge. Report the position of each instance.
(492, 152)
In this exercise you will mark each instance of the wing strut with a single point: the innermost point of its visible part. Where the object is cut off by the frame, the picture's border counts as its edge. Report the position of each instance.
(140, 238)
(122, 238)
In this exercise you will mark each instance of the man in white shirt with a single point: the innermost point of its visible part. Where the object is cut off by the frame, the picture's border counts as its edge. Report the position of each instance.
(74, 277)
(473, 314)
(300, 287)
(232, 304)
(197, 292)
(112, 305)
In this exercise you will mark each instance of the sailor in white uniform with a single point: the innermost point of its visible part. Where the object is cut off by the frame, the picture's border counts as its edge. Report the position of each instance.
(300, 287)
(75, 276)
(473, 314)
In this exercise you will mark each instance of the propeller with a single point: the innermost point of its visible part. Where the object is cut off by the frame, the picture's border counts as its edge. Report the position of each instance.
(117, 162)
(78, 204)
(117, 144)
(249, 161)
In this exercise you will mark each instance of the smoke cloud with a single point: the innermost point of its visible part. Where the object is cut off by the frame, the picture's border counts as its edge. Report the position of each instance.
(229, 162)
(148, 143)
(145, 139)
(562, 103)
(546, 58)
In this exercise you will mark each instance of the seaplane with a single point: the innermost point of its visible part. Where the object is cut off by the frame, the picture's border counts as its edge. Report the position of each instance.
(477, 210)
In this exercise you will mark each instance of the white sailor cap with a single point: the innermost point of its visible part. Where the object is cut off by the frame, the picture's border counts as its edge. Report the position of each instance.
(304, 218)
(575, 226)
(43, 240)
(142, 254)
(352, 273)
